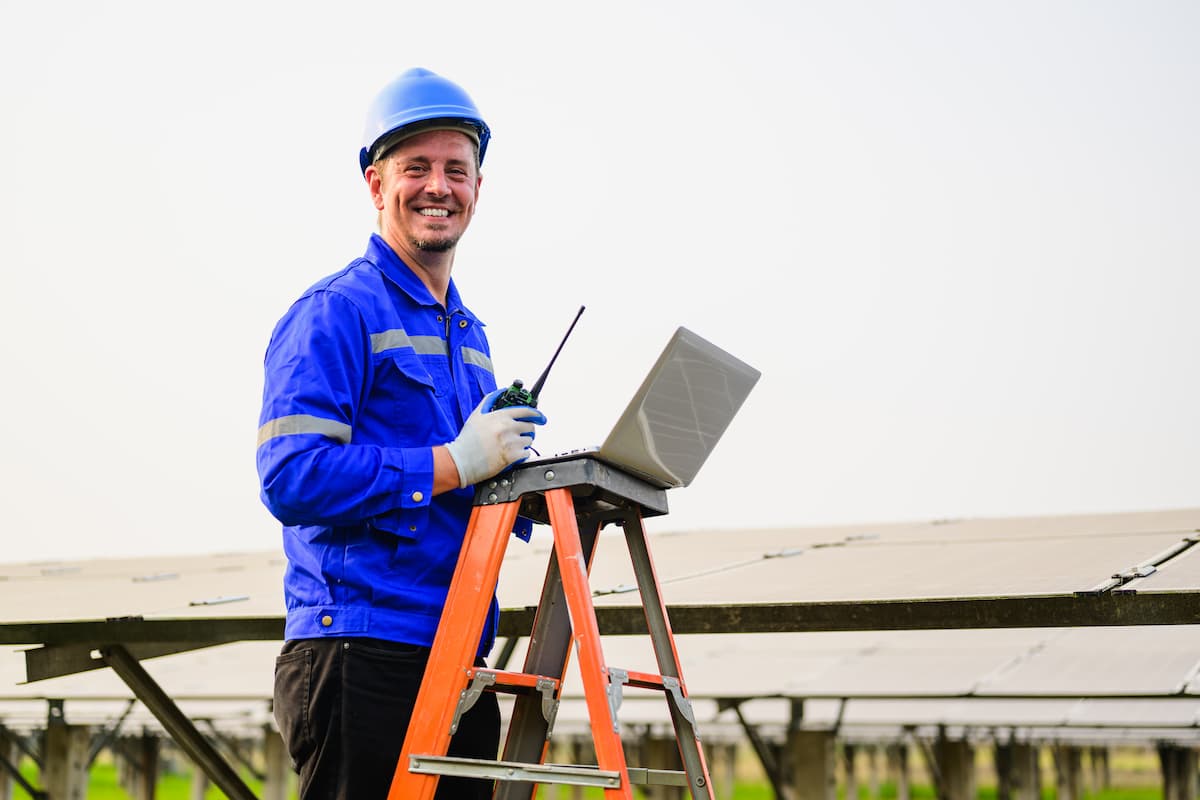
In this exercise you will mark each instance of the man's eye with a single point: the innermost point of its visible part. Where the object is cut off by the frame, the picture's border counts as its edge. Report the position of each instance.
(414, 169)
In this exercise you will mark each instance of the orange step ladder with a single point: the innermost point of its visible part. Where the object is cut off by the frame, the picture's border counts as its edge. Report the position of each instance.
(577, 496)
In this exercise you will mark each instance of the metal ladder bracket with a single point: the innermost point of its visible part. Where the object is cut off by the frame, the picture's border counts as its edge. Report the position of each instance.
(480, 683)
(617, 678)
(547, 687)
(675, 691)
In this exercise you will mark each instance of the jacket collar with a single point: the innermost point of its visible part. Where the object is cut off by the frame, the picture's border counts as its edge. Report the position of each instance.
(381, 254)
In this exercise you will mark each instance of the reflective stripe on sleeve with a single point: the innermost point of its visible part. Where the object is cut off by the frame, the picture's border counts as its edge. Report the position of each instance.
(304, 423)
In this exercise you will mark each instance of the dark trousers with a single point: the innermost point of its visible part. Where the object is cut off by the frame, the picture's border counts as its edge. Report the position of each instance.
(343, 707)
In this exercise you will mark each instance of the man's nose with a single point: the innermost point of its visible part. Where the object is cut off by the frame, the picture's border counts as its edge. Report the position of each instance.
(436, 183)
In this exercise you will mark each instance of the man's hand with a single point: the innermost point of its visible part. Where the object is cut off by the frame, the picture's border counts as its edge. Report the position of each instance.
(491, 441)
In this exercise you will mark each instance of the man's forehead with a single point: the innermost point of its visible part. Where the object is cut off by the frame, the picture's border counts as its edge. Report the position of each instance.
(440, 143)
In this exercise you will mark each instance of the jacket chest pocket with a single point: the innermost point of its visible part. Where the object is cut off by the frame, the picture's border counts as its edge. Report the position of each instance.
(407, 397)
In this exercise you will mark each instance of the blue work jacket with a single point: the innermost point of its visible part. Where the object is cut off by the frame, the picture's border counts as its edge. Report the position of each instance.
(365, 374)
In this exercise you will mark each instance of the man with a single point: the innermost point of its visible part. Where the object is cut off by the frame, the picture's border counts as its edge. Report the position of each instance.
(376, 421)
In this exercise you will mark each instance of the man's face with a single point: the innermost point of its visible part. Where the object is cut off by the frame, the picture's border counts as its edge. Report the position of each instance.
(425, 190)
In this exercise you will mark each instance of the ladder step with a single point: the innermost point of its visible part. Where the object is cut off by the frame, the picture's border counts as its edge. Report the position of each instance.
(566, 774)
(644, 776)
(648, 680)
(514, 771)
(499, 680)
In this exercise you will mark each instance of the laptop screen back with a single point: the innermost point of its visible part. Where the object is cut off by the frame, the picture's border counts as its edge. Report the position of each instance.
(680, 411)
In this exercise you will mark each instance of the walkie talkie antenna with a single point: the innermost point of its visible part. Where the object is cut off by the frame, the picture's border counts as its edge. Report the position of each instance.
(517, 394)
(537, 387)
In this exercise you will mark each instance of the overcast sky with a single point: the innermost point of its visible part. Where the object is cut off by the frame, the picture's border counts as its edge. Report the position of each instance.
(960, 240)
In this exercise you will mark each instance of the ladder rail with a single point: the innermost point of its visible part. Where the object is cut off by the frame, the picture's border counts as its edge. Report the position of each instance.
(548, 653)
(663, 640)
(610, 753)
(454, 645)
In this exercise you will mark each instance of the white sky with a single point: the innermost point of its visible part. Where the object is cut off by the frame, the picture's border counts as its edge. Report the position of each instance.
(960, 240)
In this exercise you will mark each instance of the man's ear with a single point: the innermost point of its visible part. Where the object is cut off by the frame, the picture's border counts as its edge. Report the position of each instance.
(375, 185)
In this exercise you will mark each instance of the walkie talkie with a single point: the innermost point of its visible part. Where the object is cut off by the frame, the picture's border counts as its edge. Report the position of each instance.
(517, 394)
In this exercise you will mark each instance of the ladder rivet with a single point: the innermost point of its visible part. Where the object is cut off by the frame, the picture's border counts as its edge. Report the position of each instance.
(549, 474)
(492, 497)
(492, 485)
(504, 481)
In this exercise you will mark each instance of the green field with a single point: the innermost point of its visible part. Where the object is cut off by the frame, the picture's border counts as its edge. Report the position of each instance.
(103, 785)
(177, 786)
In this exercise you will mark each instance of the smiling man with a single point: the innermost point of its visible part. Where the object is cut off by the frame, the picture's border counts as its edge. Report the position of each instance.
(377, 420)
(425, 187)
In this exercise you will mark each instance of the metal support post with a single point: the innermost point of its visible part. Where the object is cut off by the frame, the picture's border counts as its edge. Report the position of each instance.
(176, 723)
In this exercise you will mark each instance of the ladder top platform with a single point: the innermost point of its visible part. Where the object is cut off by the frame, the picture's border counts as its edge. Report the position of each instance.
(597, 488)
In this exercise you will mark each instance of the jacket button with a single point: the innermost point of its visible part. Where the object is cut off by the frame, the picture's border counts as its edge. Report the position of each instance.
(462, 323)
(412, 528)
(326, 620)
(417, 497)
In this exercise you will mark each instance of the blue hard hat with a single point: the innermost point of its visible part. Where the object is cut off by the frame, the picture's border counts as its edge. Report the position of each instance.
(419, 95)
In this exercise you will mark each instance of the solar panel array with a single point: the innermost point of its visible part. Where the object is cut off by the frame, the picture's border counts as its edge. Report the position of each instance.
(1029, 676)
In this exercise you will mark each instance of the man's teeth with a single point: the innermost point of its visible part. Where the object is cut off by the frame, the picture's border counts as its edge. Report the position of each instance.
(434, 212)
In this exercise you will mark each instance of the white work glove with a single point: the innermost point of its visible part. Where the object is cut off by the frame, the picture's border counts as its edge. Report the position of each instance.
(490, 441)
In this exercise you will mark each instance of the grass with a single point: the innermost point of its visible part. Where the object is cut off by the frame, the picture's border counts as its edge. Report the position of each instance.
(759, 790)
(103, 785)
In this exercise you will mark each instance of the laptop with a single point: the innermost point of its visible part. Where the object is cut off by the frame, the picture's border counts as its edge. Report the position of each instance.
(678, 414)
